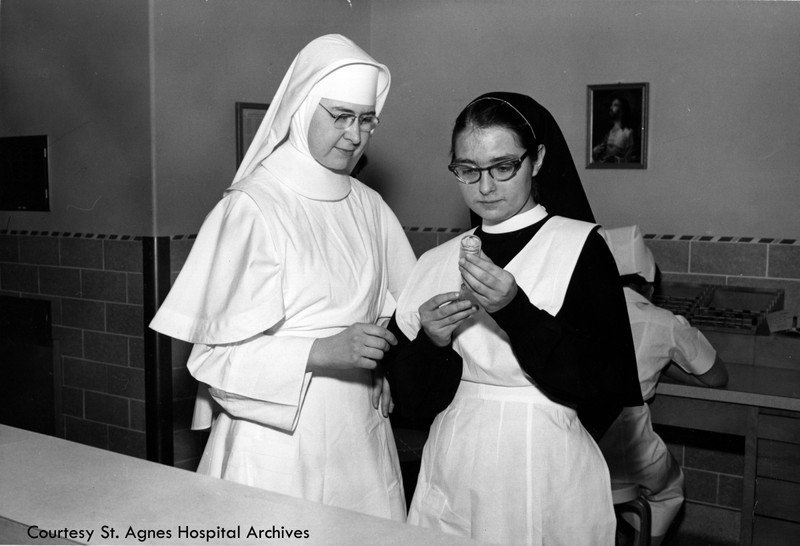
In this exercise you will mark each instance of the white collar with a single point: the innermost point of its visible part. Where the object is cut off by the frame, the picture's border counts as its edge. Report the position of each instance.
(518, 221)
(303, 175)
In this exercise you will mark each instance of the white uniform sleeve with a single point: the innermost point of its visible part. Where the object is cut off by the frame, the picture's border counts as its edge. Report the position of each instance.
(262, 379)
(226, 298)
(231, 286)
(691, 350)
(400, 260)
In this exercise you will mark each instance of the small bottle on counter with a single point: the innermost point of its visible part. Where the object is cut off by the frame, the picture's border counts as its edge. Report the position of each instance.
(471, 244)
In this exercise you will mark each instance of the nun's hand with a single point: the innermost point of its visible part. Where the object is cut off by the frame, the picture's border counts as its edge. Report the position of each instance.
(492, 287)
(381, 393)
(442, 314)
(359, 345)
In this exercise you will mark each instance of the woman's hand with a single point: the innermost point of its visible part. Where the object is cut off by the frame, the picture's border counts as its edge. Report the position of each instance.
(442, 314)
(381, 393)
(358, 346)
(492, 287)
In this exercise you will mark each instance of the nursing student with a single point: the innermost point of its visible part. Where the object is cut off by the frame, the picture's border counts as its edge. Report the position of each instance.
(664, 343)
(284, 293)
(535, 359)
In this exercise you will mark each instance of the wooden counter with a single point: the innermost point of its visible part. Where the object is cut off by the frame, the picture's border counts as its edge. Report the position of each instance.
(748, 385)
(55, 484)
(762, 404)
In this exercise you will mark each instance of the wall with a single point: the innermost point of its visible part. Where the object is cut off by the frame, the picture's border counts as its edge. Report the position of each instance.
(765, 263)
(723, 93)
(94, 284)
(208, 55)
(713, 469)
(78, 72)
(137, 98)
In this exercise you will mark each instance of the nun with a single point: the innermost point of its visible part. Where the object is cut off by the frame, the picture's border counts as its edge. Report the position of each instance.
(530, 361)
(285, 295)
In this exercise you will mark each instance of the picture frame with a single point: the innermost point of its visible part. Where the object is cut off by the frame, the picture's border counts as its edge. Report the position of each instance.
(617, 126)
(248, 120)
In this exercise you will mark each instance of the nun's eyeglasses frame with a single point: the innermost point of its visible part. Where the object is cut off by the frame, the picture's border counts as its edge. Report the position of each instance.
(344, 120)
(501, 172)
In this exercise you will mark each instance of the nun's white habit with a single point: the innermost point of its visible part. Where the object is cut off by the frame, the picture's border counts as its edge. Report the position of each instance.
(294, 252)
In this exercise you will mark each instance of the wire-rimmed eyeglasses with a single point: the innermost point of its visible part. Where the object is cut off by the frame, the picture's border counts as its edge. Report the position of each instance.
(501, 172)
(344, 120)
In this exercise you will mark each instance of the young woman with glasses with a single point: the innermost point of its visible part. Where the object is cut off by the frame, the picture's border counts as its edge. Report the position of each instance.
(538, 357)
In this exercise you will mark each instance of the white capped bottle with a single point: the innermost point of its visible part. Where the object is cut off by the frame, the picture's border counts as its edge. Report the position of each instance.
(470, 244)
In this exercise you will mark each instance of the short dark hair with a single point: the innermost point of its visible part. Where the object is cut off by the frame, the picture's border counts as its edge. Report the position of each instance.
(488, 112)
(492, 112)
(640, 284)
(657, 281)
(634, 281)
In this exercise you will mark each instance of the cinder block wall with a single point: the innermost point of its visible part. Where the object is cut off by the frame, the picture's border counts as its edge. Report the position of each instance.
(731, 261)
(94, 285)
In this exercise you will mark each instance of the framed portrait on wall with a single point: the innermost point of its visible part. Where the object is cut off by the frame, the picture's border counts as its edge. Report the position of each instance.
(617, 126)
(248, 119)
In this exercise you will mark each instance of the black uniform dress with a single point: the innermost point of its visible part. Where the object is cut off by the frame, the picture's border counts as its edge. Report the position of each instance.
(582, 357)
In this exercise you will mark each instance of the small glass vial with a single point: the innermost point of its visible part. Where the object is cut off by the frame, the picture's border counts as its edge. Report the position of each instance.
(471, 244)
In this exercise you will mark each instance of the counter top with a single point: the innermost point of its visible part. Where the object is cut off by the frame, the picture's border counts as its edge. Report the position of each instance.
(763, 371)
(773, 388)
(55, 485)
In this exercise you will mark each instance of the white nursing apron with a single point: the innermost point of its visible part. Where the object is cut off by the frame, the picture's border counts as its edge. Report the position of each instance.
(504, 463)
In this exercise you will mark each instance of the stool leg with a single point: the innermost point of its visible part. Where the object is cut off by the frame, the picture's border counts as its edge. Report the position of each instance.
(641, 508)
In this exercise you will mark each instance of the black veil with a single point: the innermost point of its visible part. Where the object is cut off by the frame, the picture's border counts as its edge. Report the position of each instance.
(559, 187)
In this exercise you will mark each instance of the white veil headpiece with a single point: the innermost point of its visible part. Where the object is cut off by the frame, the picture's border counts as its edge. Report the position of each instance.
(312, 64)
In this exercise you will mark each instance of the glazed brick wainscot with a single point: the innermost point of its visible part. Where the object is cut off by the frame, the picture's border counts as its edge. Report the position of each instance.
(118, 388)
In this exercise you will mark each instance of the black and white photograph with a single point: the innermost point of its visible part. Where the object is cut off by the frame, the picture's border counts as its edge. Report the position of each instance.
(399, 273)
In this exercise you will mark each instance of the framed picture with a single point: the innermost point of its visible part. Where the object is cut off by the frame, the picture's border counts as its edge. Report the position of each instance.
(617, 126)
(248, 119)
